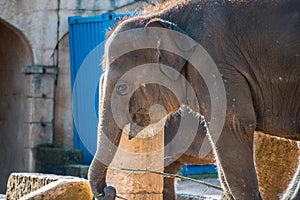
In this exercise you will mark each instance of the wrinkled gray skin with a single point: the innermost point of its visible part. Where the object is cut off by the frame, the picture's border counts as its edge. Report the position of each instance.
(109, 193)
(256, 46)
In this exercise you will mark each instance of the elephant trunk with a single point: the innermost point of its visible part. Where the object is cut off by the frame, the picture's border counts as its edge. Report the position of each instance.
(109, 135)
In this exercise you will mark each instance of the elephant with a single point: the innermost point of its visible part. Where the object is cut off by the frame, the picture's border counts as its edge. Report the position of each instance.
(255, 47)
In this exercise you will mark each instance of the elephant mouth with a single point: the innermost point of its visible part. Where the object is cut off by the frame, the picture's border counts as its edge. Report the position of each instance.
(147, 131)
(141, 118)
(134, 130)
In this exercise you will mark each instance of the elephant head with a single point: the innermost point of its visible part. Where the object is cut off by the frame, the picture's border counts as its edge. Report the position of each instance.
(142, 83)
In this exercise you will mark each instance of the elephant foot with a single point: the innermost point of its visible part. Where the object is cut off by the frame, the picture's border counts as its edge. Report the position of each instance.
(110, 193)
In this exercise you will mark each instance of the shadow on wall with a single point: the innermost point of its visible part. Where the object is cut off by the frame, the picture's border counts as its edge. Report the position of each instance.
(15, 55)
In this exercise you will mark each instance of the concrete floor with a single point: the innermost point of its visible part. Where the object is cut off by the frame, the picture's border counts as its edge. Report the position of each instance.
(190, 190)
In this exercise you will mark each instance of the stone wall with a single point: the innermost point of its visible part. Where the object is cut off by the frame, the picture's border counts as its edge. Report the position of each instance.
(12, 99)
(35, 88)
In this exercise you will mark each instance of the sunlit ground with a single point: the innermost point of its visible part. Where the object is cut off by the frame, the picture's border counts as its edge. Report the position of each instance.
(198, 191)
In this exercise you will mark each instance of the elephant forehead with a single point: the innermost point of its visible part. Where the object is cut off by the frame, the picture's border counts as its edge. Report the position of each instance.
(143, 74)
(121, 43)
(117, 45)
(131, 59)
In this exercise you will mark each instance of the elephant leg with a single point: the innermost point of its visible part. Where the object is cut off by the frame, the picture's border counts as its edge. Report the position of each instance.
(234, 148)
(169, 184)
(226, 192)
(235, 155)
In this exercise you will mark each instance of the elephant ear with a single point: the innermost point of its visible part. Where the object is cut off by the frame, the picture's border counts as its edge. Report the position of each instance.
(179, 41)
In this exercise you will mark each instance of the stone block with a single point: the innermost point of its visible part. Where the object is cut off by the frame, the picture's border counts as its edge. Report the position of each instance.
(70, 4)
(33, 5)
(48, 56)
(42, 36)
(77, 170)
(20, 184)
(275, 169)
(63, 30)
(29, 159)
(64, 189)
(40, 85)
(41, 69)
(39, 110)
(83, 6)
(38, 134)
(59, 156)
(64, 136)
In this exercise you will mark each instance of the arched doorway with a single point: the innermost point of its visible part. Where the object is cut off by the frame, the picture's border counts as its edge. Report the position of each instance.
(15, 55)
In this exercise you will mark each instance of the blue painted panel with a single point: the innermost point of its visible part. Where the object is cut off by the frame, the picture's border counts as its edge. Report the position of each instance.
(189, 169)
(86, 38)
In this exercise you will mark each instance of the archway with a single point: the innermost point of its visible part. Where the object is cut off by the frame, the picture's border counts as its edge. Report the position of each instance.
(15, 55)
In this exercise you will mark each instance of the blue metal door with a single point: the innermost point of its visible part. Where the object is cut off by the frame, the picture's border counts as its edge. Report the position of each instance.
(86, 37)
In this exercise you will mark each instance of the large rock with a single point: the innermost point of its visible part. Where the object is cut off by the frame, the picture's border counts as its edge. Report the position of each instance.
(276, 162)
(64, 189)
(20, 184)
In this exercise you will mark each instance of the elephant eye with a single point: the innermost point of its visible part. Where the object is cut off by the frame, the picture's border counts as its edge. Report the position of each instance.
(122, 89)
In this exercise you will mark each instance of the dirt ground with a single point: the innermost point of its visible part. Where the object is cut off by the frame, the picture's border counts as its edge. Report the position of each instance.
(194, 191)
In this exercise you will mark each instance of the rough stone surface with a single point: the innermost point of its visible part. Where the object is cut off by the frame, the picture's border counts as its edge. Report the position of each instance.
(29, 160)
(65, 189)
(82, 6)
(20, 184)
(39, 110)
(27, 18)
(38, 134)
(15, 54)
(41, 69)
(276, 162)
(39, 85)
(29, 6)
(64, 136)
